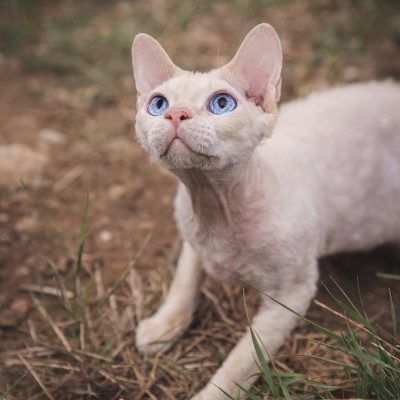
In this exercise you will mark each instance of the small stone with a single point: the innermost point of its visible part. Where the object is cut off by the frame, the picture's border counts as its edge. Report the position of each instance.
(10, 316)
(4, 217)
(52, 136)
(27, 224)
(145, 224)
(20, 307)
(22, 128)
(166, 199)
(22, 271)
(115, 192)
(5, 237)
(105, 236)
(20, 163)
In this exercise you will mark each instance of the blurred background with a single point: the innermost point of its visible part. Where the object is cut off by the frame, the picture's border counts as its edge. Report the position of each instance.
(67, 105)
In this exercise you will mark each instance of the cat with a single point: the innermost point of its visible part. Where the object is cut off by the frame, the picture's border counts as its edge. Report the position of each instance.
(258, 207)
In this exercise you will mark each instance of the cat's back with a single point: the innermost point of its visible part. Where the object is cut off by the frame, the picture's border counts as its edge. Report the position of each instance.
(362, 107)
(343, 144)
(341, 128)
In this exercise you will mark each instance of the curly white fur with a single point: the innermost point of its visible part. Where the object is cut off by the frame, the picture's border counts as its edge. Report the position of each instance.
(262, 208)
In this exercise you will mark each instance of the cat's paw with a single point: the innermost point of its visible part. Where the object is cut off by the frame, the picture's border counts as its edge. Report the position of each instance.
(211, 392)
(156, 334)
(204, 395)
(198, 396)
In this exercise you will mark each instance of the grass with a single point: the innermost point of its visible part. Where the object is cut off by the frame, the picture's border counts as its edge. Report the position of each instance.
(66, 39)
(18, 22)
(83, 347)
(75, 343)
(368, 370)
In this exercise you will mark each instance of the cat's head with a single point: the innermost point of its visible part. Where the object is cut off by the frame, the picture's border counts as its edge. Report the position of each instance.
(207, 120)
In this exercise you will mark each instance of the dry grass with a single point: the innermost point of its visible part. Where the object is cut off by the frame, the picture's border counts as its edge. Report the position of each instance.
(88, 350)
(80, 343)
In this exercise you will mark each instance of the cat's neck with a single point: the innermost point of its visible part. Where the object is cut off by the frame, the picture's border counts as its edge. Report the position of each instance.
(216, 195)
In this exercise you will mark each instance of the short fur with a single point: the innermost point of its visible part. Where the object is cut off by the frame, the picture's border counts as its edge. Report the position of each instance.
(262, 208)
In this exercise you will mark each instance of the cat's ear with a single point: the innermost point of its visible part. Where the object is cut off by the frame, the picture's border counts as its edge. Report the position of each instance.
(258, 63)
(151, 64)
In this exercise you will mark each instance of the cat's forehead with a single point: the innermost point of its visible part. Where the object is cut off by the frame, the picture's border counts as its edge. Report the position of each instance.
(194, 86)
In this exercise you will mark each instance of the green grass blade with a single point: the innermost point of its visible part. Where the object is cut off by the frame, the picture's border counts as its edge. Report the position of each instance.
(78, 266)
(225, 393)
(81, 244)
(360, 356)
(39, 205)
(351, 310)
(264, 368)
(125, 273)
(322, 385)
(375, 372)
(360, 298)
(330, 361)
(320, 328)
(344, 294)
(282, 385)
(248, 394)
(263, 363)
(393, 314)
(61, 285)
(14, 385)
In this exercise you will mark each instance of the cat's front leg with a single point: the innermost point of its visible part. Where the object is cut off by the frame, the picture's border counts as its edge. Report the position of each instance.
(272, 324)
(157, 333)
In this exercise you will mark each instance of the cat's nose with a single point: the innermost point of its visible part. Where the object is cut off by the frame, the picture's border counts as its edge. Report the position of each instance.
(177, 115)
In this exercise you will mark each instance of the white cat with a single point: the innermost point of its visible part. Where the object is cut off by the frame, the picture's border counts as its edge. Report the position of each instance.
(260, 208)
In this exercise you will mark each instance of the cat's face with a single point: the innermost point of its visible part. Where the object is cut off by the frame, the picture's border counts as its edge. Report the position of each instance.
(203, 121)
(207, 123)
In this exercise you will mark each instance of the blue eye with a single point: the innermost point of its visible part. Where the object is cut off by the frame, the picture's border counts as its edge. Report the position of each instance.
(157, 105)
(222, 103)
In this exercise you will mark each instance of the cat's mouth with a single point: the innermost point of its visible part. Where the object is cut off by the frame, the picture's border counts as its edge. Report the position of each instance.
(178, 144)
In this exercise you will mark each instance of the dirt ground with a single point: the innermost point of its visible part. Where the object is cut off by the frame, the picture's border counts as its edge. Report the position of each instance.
(67, 106)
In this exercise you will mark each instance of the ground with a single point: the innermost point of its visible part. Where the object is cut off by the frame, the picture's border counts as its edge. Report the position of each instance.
(67, 105)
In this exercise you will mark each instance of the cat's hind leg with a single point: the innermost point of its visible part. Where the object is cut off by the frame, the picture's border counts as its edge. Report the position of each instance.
(158, 332)
(272, 324)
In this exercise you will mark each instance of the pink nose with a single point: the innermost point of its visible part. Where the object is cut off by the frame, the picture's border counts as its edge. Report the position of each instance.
(177, 116)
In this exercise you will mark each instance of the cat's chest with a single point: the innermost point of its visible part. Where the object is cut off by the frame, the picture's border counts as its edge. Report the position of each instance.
(228, 251)
(222, 254)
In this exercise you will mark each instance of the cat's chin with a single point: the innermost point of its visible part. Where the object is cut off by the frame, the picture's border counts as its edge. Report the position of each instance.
(177, 145)
(179, 155)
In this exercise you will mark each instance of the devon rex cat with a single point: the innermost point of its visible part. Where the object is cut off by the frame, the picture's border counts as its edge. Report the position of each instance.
(262, 194)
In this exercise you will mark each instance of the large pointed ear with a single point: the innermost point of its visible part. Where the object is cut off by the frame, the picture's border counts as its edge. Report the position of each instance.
(258, 64)
(151, 64)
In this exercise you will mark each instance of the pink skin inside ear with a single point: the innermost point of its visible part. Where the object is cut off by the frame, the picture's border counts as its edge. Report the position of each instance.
(176, 116)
